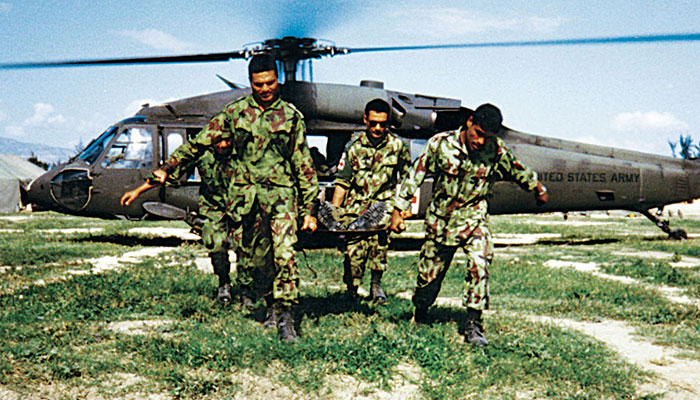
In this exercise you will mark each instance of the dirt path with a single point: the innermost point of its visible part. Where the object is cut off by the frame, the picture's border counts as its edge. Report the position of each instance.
(673, 294)
(106, 263)
(678, 378)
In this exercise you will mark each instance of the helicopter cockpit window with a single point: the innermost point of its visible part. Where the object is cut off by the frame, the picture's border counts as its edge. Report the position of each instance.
(132, 149)
(94, 149)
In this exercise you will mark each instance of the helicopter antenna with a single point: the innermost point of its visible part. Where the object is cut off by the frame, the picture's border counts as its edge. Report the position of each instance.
(230, 84)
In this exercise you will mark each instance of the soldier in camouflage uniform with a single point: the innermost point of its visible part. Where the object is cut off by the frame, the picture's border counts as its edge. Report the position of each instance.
(274, 184)
(210, 152)
(465, 164)
(368, 173)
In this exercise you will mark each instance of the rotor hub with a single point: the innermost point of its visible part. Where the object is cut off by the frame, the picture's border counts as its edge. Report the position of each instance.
(290, 51)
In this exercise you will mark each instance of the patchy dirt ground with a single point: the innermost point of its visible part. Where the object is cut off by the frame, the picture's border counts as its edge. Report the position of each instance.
(679, 378)
(673, 294)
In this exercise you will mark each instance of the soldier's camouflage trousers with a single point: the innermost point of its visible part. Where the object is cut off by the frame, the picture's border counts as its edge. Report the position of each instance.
(215, 237)
(435, 260)
(361, 254)
(215, 233)
(267, 234)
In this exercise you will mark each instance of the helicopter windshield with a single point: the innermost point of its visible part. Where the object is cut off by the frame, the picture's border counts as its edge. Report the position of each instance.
(132, 149)
(94, 149)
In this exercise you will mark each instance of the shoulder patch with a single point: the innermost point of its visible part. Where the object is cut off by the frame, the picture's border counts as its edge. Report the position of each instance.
(293, 107)
(341, 163)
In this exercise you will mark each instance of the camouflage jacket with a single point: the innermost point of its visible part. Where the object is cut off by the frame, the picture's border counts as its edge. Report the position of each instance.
(370, 173)
(462, 180)
(270, 149)
(216, 171)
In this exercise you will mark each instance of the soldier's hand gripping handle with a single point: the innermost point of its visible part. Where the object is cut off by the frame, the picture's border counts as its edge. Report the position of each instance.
(541, 194)
(161, 175)
(309, 223)
(397, 223)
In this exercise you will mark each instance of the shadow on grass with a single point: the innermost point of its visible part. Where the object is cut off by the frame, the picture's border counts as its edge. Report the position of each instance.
(128, 240)
(396, 310)
(578, 242)
(334, 303)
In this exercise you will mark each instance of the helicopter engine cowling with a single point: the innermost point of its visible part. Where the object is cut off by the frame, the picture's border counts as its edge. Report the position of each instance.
(412, 115)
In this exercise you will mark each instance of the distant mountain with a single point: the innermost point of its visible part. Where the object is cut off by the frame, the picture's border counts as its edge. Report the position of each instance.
(47, 154)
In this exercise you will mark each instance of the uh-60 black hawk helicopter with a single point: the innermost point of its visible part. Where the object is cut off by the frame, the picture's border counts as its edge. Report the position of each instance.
(580, 177)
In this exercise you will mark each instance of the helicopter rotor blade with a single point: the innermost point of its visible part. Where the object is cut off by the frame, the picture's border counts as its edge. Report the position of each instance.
(303, 48)
(676, 37)
(191, 58)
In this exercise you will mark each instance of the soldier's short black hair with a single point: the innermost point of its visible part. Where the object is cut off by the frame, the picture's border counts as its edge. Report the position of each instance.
(377, 105)
(488, 117)
(261, 63)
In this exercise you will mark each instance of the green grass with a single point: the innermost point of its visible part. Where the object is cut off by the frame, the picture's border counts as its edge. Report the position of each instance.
(60, 332)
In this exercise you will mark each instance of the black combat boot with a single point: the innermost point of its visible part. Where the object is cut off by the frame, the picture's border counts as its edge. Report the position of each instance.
(222, 266)
(224, 293)
(352, 292)
(246, 298)
(375, 290)
(474, 329)
(420, 316)
(272, 313)
(285, 325)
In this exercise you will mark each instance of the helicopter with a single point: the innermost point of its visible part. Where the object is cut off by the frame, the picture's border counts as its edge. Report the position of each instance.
(579, 177)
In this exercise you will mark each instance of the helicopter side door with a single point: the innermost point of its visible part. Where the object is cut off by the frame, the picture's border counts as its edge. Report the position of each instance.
(185, 195)
(122, 166)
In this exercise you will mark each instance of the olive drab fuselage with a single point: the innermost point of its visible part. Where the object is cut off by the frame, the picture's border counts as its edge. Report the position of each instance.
(579, 177)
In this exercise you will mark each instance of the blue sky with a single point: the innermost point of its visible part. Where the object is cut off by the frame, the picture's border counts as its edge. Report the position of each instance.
(635, 96)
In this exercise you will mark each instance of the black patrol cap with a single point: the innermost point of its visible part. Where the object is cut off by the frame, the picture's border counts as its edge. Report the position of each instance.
(489, 118)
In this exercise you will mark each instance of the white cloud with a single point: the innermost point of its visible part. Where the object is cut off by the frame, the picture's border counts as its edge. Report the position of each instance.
(648, 121)
(159, 40)
(14, 131)
(5, 8)
(44, 114)
(89, 127)
(451, 22)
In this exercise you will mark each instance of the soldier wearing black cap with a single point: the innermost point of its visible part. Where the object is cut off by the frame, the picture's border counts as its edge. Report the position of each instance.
(465, 164)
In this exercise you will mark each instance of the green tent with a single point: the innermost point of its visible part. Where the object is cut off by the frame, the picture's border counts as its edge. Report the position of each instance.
(15, 172)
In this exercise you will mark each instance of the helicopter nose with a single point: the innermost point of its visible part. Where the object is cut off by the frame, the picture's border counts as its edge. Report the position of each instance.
(38, 193)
